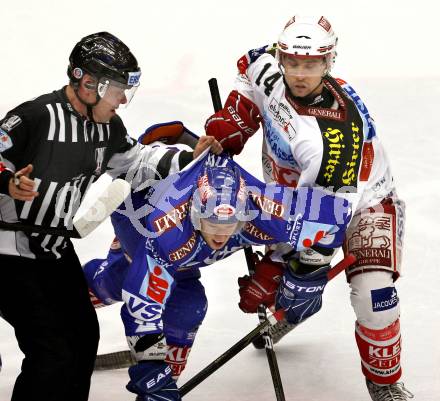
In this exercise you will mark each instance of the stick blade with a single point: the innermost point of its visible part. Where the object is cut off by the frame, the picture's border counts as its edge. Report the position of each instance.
(103, 207)
(114, 360)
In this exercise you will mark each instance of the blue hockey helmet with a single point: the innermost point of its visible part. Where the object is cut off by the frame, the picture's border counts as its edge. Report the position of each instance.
(220, 197)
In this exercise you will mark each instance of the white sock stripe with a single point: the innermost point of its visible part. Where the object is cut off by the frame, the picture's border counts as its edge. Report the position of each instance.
(384, 372)
(383, 343)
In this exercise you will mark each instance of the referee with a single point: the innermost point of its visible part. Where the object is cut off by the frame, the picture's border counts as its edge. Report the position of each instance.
(52, 149)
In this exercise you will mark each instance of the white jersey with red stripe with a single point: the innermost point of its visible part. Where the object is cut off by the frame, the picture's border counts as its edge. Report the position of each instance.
(333, 147)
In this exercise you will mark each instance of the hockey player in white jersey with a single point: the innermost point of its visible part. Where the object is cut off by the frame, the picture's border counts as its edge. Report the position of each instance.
(318, 132)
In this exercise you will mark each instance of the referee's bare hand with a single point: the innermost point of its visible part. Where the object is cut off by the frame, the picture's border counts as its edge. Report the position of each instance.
(207, 142)
(21, 187)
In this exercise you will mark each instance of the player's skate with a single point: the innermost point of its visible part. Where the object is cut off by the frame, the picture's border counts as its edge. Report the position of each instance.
(277, 332)
(390, 392)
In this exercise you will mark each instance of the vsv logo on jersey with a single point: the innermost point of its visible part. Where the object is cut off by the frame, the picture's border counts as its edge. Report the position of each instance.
(140, 309)
(384, 298)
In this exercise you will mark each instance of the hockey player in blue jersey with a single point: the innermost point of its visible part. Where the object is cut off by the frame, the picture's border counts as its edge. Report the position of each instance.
(194, 218)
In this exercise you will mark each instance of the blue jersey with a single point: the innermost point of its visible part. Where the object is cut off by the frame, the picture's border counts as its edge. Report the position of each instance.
(277, 214)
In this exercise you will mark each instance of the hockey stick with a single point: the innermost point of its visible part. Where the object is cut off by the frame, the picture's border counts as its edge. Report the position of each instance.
(246, 340)
(103, 206)
(114, 360)
(270, 352)
(268, 343)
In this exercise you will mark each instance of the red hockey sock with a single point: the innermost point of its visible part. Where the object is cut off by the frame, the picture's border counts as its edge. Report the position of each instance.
(176, 357)
(97, 303)
(380, 352)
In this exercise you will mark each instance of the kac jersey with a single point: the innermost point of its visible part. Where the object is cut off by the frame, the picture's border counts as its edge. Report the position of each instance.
(276, 213)
(336, 148)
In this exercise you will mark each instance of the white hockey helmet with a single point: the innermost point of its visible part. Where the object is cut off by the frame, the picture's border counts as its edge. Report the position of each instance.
(308, 36)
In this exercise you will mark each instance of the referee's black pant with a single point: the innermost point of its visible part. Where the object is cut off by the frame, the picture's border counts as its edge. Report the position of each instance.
(55, 324)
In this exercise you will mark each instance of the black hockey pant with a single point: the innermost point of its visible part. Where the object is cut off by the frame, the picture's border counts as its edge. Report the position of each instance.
(55, 324)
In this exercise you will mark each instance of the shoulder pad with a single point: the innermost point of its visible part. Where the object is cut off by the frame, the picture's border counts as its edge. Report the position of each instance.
(252, 55)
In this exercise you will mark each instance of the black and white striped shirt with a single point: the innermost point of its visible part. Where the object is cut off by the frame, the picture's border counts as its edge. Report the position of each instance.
(68, 153)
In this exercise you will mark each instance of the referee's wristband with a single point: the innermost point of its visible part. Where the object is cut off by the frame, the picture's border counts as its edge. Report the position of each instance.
(5, 177)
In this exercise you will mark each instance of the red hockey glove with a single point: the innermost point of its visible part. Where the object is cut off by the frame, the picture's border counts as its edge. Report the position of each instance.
(261, 287)
(233, 125)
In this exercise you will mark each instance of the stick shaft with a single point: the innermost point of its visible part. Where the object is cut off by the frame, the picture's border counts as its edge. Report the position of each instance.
(222, 359)
(248, 338)
(103, 206)
(62, 232)
(215, 94)
(270, 352)
(268, 343)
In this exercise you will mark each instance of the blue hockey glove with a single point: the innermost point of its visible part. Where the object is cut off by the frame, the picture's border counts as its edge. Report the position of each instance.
(300, 295)
(152, 381)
